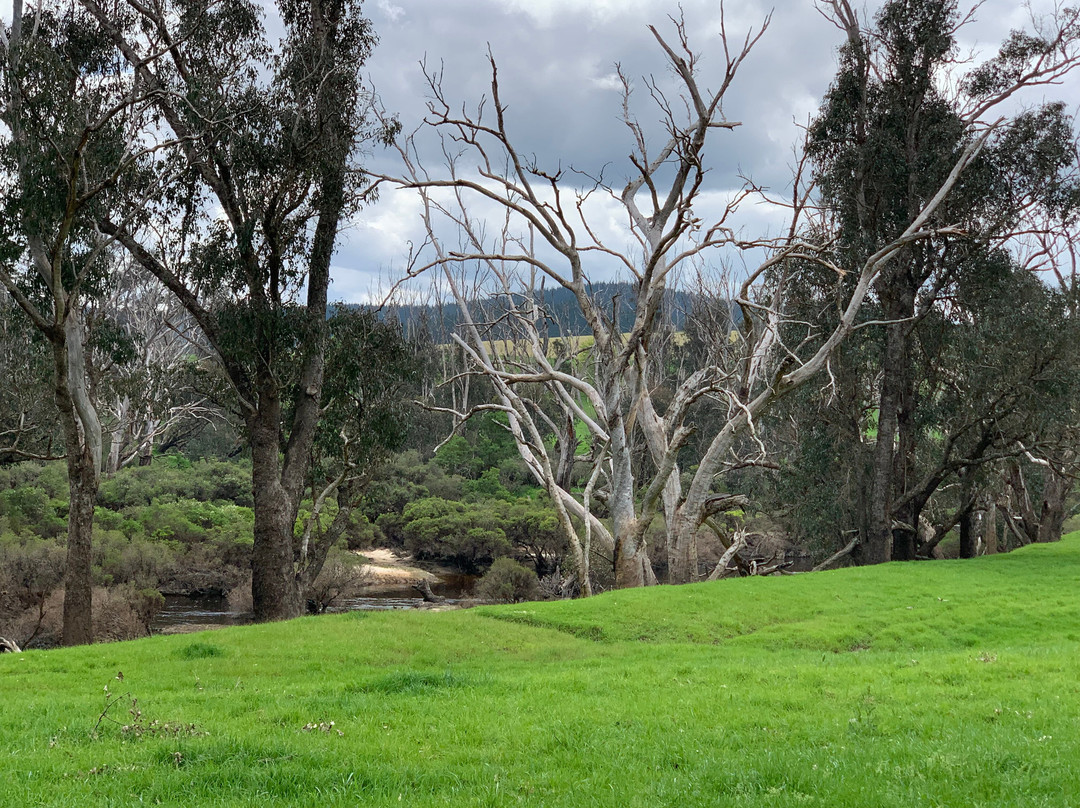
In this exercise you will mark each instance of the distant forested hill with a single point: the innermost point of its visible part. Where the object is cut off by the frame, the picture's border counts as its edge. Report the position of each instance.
(564, 316)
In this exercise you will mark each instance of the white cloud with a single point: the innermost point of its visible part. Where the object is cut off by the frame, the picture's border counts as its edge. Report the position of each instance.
(609, 82)
(551, 12)
(394, 12)
(556, 68)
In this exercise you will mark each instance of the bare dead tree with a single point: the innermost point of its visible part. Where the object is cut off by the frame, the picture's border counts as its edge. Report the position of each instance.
(143, 398)
(548, 231)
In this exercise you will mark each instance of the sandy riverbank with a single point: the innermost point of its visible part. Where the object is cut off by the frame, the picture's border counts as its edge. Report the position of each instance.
(386, 567)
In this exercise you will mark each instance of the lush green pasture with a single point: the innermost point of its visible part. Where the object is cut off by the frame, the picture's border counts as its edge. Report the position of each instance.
(945, 683)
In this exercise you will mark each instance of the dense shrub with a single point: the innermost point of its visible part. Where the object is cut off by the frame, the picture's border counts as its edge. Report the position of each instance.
(30, 569)
(362, 534)
(507, 580)
(487, 486)
(487, 442)
(32, 508)
(52, 477)
(532, 526)
(406, 479)
(453, 531)
(119, 613)
(142, 563)
(168, 480)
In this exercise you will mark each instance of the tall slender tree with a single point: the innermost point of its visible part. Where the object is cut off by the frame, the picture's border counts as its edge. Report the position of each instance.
(73, 120)
(264, 175)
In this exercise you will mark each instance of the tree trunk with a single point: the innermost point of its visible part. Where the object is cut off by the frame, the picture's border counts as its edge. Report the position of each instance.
(905, 536)
(82, 487)
(632, 566)
(891, 462)
(968, 536)
(82, 468)
(877, 548)
(990, 525)
(275, 594)
(905, 531)
(682, 546)
(564, 476)
(1052, 512)
(1029, 521)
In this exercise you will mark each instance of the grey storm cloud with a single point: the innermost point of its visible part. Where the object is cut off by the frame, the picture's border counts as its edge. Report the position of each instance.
(556, 61)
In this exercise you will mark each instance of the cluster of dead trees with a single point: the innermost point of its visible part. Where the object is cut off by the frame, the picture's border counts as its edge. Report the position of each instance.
(918, 195)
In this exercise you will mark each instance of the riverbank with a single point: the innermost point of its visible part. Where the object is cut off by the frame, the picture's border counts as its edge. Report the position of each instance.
(386, 567)
(387, 584)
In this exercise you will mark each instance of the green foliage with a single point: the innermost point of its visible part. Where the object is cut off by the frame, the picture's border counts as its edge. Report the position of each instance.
(439, 528)
(406, 478)
(31, 509)
(372, 371)
(456, 456)
(122, 559)
(488, 486)
(173, 525)
(175, 478)
(486, 444)
(509, 581)
(52, 477)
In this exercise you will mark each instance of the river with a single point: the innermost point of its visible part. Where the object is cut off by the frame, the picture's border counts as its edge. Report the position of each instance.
(183, 613)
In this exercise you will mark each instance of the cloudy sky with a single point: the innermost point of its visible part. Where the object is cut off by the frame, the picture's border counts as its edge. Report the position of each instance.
(556, 65)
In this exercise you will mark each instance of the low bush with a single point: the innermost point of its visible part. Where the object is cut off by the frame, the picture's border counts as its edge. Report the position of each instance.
(119, 613)
(508, 581)
(469, 535)
(342, 576)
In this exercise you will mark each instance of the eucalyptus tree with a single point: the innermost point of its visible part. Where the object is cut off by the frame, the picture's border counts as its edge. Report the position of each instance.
(550, 234)
(374, 374)
(262, 177)
(146, 351)
(996, 367)
(889, 130)
(72, 120)
(29, 423)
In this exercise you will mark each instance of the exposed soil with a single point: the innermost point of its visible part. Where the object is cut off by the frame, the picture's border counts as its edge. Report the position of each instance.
(386, 567)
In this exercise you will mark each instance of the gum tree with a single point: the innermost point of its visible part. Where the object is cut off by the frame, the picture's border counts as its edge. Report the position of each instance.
(890, 130)
(71, 144)
(262, 177)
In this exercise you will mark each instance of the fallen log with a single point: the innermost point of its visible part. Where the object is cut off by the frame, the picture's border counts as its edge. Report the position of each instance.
(851, 545)
(424, 588)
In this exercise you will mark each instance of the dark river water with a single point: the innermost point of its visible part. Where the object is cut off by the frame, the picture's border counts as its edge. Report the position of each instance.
(182, 611)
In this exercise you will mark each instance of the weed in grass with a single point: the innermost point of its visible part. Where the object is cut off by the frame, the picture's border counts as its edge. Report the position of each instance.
(198, 650)
(413, 682)
(323, 726)
(136, 727)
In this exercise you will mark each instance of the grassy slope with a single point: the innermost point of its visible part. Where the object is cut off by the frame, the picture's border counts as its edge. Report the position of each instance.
(948, 683)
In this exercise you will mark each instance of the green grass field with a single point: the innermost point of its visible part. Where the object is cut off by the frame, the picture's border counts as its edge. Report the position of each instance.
(927, 684)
